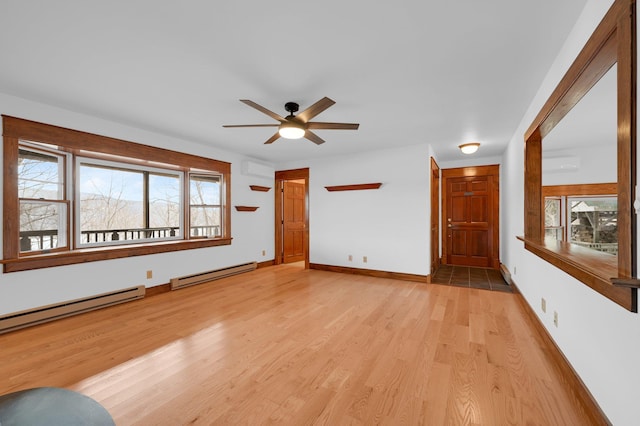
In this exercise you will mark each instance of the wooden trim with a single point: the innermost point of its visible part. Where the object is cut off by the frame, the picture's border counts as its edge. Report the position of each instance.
(372, 273)
(280, 177)
(626, 55)
(580, 189)
(632, 283)
(579, 391)
(246, 208)
(356, 187)
(10, 201)
(434, 231)
(593, 268)
(92, 255)
(157, 289)
(593, 61)
(77, 142)
(259, 188)
(265, 264)
(492, 170)
(613, 41)
(533, 202)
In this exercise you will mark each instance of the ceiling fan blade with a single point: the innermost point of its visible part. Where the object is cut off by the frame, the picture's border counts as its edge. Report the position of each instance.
(315, 109)
(335, 126)
(313, 137)
(250, 125)
(273, 138)
(263, 110)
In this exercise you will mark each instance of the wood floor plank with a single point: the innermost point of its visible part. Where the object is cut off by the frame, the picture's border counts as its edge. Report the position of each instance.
(282, 345)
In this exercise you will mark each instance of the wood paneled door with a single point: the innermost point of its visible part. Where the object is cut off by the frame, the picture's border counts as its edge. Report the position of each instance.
(292, 218)
(471, 216)
(293, 209)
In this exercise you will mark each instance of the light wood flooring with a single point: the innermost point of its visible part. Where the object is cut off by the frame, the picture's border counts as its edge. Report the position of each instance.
(282, 345)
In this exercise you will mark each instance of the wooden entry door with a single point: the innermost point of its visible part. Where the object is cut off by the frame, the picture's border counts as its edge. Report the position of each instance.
(470, 219)
(293, 210)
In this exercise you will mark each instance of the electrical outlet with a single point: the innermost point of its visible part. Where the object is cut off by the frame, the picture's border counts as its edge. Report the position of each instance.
(543, 304)
(264, 252)
(364, 259)
(515, 269)
(555, 318)
(350, 258)
(149, 274)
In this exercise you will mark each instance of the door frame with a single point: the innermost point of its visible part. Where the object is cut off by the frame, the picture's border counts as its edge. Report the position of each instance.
(490, 170)
(280, 177)
(435, 216)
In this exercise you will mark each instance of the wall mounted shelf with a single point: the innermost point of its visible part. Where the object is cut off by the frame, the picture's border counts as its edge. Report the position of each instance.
(246, 208)
(259, 188)
(356, 187)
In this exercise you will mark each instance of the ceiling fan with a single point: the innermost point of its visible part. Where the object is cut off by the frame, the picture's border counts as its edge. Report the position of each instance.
(297, 126)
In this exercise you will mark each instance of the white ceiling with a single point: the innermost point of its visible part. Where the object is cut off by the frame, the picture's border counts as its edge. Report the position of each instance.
(409, 71)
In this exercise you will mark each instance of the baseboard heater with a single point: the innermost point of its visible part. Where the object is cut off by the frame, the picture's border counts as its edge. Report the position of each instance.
(43, 314)
(203, 277)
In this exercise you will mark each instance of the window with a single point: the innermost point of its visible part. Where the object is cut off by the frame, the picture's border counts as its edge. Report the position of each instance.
(613, 42)
(127, 199)
(119, 204)
(592, 221)
(553, 218)
(205, 210)
(41, 197)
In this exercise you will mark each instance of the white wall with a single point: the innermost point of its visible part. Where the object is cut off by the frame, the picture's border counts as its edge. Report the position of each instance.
(597, 164)
(389, 225)
(251, 232)
(600, 339)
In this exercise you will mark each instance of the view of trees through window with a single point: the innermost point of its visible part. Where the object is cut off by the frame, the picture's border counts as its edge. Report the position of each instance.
(115, 202)
(118, 204)
(43, 209)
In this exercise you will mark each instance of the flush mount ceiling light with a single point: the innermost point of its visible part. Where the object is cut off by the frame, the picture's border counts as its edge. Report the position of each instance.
(469, 148)
(291, 130)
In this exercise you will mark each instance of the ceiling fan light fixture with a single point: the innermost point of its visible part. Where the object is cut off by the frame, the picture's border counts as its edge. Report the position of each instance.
(469, 148)
(291, 131)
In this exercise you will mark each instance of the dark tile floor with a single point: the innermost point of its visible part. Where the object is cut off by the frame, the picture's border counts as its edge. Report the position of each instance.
(464, 276)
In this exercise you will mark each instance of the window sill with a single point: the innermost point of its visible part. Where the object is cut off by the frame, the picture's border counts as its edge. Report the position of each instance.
(591, 267)
(97, 254)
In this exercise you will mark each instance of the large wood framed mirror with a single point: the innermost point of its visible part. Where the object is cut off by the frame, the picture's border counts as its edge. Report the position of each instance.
(608, 60)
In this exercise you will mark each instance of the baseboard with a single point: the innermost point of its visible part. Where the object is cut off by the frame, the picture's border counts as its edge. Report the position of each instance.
(266, 264)
(371, 273)
(569, 376)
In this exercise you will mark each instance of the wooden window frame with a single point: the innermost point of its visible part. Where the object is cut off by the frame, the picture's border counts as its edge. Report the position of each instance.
(77, 143)
(565, 192)
(613, 41)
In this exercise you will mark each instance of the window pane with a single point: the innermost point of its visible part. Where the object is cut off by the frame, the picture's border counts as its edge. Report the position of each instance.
(553, 219)
(205, 221)
(111, 204)
(40, 175)
(594, 223)
(552, 212)
(164, 202)
(205, 209)
(205, 190)
(42, 225)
